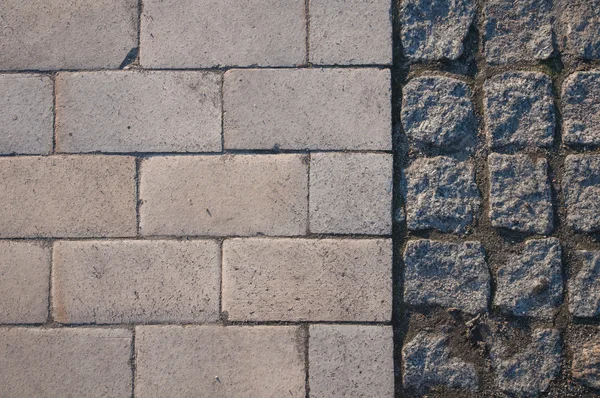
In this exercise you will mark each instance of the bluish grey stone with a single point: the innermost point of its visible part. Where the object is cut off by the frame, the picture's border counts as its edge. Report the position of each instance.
(581, 189)
(530, 283)
(579, 27)
(446, 274)
(581, 109)
(584, 286)
(586, 359)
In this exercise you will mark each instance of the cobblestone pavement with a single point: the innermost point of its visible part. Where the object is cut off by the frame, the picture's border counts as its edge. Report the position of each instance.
(300, 198)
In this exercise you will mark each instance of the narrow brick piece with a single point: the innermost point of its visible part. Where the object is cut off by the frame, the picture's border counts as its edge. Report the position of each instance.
(435, 29)
(136, 281)
(26, 119)
(308, 109)
(351, 361)
(86, 34)
(520, 197)
(224, 195)
(307, 279)
(440, 193)
(49, 363)
(518, 30)
(581, 108)
(519, 110)
(347, 32)
(581, 188)
(579, 27)
(219, 362)
(446, 274)
(584, 286)
(67, 196)
(212, 33)
(138, 111)
(351, 193)
(24, 281)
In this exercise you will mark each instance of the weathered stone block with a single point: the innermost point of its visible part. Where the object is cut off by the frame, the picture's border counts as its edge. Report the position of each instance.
(581, 189)
(581, 109)
(584, 286)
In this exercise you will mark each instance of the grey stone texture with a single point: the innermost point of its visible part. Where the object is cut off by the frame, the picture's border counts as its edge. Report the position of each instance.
(307, 109)
(435, 29)
(24, 281)
(581, 190)
(62, 34)
(519, 110)
(266, 279)
(586, 359)
(224, 195)
(584, 286)
(212, 33)
(350, 32)
(440, 193)
(530, 283)
(427, 363)
(132, 281)
(27, 117)
(446, 274)
(530, 372)
(578, 27)
(150, 111)
(581, 108)
(437, 112)
(351, 361)
(520, 196)
(518, 30)
(219, 362)
(50, 363)
(67, 196)
(351, 193)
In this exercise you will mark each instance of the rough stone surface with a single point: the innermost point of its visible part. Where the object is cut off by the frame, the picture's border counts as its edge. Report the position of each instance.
(519, 110)
(451, 275)
(520, 196)
(426, 363)
(24, 281)
(437, 112)
(530, 284)
(586, 360)
(579, 27)
(231, 32)
(518, 30)
(307, 109)
(435, 29)
(86, 34)
(219, 362)
(440, 193)
(26, 119)
(136, 281)
(530, 372)
(351, 193)
(581, 109)
(67, 196)
(224, 195)
(49, 363)
(581, 189)
(307, 279)
(351, 361)
(347, 32)
(584, 286)
(155, 111)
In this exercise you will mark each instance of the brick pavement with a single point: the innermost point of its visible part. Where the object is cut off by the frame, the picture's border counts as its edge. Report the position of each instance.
(290, 198)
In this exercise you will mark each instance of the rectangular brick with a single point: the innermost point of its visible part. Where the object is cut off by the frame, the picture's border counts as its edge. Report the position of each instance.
(307, 109)
(307, 279)
(24, 281)
(61, 34)
(67, 196)
(135, 281)
(224, 195)
(211, 33)
(151, 111)
(26, 120)
(80, 362)
(220, 362)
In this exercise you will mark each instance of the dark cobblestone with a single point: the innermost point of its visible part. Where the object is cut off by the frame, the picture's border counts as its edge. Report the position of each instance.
(579, 27)
(581, 109)
(586, 360)
(581, 187)
(584, 287)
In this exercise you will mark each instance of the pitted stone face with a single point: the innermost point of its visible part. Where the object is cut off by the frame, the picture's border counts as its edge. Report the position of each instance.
(581, 187)
(584, 287)
(586, 359)
(578, 24)
(581, 109)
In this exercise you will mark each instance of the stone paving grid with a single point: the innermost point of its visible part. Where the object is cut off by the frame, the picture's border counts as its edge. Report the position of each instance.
(72, 219)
